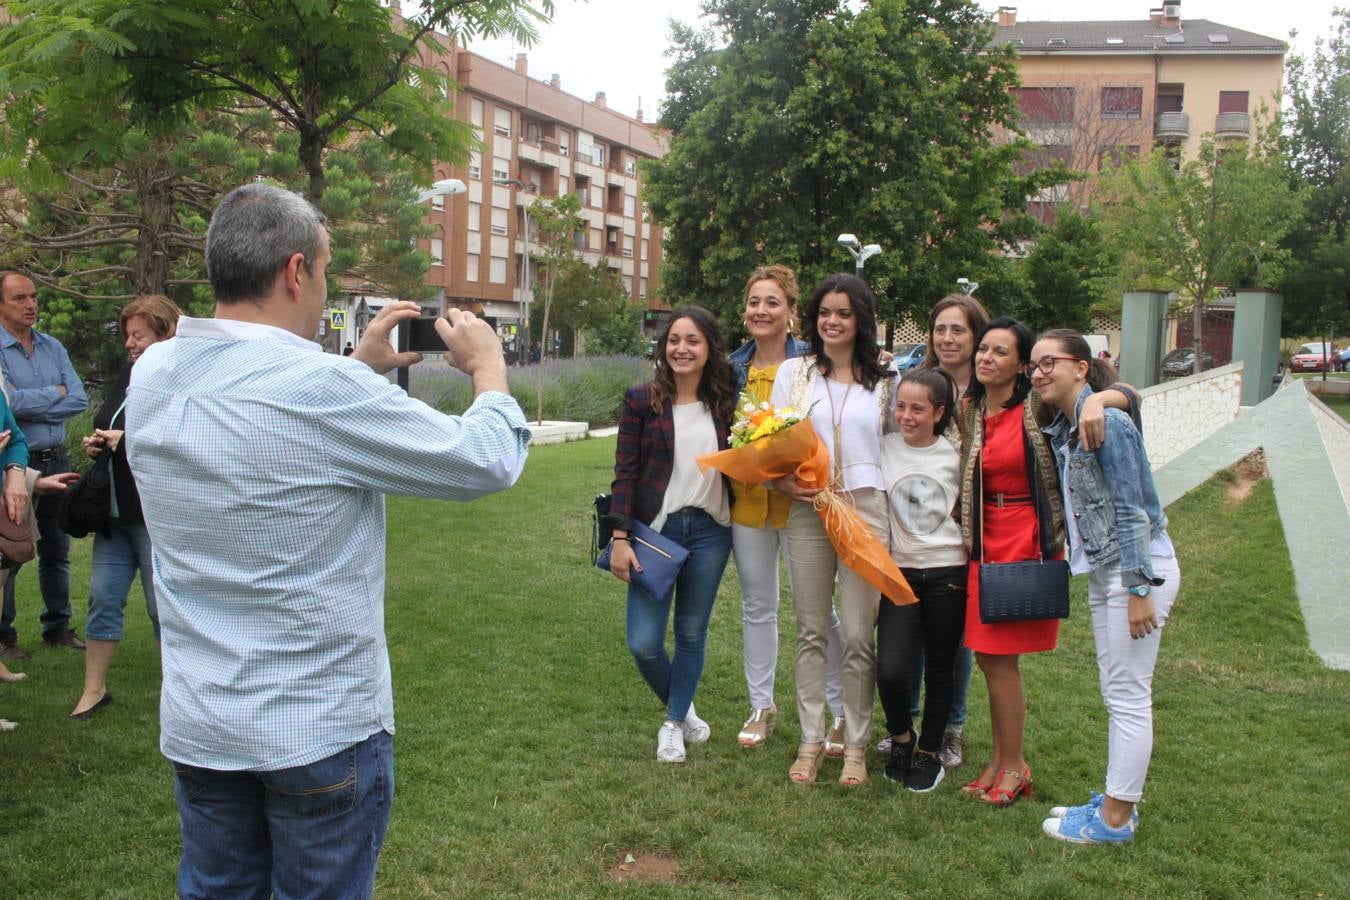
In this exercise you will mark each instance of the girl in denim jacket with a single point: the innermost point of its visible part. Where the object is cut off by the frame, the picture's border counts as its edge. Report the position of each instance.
(1117, 535)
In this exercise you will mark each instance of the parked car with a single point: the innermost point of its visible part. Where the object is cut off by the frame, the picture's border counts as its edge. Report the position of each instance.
(1181, 361)
(909, 356)
(1315, 357)
(1345, 360)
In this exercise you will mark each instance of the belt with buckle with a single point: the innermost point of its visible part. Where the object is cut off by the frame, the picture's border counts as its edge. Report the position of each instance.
(47, 455)
(1001, 500)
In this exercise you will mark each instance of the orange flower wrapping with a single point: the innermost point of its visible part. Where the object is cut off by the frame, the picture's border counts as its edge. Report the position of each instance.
(798, 450)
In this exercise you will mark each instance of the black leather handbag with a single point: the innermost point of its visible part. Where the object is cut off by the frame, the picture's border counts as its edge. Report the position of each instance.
(87, 506)
(1021, 591)
(601, 531)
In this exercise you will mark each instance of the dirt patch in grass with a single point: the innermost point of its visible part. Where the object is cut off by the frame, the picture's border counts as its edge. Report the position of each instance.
(1246, 473)
(644, 867)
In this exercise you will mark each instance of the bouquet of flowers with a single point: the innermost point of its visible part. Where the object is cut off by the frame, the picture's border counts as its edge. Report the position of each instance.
(769, 443)
(757, 421)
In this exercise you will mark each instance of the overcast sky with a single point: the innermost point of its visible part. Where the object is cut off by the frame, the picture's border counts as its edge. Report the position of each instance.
(619, 46)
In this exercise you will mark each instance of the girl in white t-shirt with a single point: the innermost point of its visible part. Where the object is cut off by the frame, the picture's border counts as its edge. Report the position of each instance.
(921, 470)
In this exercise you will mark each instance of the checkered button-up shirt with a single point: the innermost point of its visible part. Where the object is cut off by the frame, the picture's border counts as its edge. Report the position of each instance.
(262, 465)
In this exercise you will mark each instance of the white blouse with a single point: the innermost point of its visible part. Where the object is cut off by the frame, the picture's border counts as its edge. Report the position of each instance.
(695, 435)
(855, 408)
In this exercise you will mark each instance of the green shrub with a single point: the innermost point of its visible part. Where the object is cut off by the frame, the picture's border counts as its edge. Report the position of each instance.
(586, 389)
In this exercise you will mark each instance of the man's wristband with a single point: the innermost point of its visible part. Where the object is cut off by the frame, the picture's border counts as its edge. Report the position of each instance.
(19, 466)
(620, 537)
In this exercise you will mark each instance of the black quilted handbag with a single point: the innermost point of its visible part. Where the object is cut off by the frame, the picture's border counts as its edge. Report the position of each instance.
(1017, 591)
(1024, 590)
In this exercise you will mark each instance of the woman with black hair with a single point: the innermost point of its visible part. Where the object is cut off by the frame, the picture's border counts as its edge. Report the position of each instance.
(848, 393)
(1010, 511)
(684, 411)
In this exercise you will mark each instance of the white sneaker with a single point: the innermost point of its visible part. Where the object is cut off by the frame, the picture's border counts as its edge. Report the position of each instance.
(696, 731)
(670, 743)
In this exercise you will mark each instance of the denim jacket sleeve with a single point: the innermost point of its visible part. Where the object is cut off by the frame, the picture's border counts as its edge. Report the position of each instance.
(1120, 457)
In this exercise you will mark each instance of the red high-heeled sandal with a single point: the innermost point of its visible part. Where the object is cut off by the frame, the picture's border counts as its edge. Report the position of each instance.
(1000, 796)
(977, 787)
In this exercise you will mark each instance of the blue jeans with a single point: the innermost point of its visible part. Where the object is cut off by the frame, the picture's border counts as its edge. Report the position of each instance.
(53, 552)
(116, 560)
(675, 680)
(311, 831)
(960, 687)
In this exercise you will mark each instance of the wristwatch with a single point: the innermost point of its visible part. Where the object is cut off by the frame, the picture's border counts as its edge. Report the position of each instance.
(1141, 590)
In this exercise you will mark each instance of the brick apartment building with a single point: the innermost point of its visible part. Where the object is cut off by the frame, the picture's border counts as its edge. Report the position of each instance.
(538, 142)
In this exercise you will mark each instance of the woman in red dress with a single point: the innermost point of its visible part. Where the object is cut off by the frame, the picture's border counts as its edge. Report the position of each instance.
(1006, 517)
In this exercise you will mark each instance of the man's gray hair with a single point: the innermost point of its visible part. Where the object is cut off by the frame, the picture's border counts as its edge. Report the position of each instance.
(254, 231)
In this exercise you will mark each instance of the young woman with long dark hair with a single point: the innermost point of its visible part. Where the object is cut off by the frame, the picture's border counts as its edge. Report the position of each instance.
(684, 411)
(848, 391)
(1117, 536)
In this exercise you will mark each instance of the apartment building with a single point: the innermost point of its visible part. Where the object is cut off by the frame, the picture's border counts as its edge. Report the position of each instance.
(1094, 92)
(538, 142)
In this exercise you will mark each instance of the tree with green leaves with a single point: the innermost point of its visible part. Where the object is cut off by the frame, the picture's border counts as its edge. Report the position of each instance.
(1214, 222)
(586, 297)
(325, 70)
(796, 121)
(1068, 273)
(1316, 142)
(556, 223)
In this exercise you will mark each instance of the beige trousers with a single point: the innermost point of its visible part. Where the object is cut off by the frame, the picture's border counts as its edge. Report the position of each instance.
(813, 564)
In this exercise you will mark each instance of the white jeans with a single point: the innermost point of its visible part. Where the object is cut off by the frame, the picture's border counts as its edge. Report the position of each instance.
(756, 551)
(1125, 666)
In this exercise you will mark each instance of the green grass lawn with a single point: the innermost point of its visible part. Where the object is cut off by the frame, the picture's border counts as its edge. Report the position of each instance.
(526, 742)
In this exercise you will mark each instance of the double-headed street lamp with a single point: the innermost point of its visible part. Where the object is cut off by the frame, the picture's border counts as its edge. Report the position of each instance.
(861, 253)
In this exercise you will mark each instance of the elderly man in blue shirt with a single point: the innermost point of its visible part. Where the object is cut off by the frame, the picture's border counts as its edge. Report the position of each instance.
(262, 464)
(44, 392)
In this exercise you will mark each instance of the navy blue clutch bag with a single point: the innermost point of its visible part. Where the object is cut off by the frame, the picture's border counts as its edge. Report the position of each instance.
(660, 557)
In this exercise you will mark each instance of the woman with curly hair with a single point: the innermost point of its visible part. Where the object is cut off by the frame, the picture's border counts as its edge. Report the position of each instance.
(684, 411)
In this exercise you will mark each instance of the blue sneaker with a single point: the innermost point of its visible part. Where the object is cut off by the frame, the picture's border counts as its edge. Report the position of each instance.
(1087, 828)
(1060, 812)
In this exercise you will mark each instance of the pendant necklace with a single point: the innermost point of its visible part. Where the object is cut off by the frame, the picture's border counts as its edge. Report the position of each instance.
(837, 420)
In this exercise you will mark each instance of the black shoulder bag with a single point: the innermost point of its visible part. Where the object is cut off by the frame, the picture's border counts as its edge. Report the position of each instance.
(1021, 591)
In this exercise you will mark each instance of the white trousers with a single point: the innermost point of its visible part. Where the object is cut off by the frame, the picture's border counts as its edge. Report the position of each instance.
(756, 551)
(1125, 667)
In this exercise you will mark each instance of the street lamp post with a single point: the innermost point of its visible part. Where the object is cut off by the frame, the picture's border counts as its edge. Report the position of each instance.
(446, 187)
(861, 253)
(526, 293)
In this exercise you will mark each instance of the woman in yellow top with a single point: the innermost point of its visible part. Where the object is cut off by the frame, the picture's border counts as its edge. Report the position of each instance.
(759, 515)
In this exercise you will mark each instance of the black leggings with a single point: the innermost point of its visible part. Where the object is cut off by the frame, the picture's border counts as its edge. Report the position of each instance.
(934, 627)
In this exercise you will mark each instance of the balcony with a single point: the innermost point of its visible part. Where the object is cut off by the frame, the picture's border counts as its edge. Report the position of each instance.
(1233, 125)
(1172, 126)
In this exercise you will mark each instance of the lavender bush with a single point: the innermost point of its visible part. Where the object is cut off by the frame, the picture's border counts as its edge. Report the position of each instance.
(586, 389)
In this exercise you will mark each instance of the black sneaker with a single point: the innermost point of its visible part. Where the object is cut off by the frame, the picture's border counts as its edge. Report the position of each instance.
(897, 764)
(925, 774)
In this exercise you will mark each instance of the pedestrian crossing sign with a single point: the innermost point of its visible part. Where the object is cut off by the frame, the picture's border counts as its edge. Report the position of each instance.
(337, 319)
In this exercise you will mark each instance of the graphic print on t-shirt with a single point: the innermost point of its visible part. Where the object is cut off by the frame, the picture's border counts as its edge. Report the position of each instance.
(919, 503)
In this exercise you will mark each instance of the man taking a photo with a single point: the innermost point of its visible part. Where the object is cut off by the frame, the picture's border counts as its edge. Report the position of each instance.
(262, 464)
